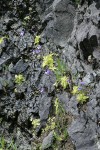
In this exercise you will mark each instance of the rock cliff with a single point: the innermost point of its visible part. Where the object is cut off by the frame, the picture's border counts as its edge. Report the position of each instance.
(69, 28)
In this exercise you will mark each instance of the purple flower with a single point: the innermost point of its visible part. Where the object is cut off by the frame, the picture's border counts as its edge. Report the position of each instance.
(37, 51)
(80, 88)
(33, 52)
(22, 33)
(68, 81)
(82, 83)
(48, 72)
(39, 47)
(42, 90)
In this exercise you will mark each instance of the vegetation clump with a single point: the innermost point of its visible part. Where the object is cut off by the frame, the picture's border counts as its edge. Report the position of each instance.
(81, 94)
(59, 69)
(58, 124)
(19, 79)
(6, 145)
(35, 123)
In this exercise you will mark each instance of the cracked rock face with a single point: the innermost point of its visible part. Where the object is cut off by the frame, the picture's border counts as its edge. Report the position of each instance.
(75, 36)
(85, 39)
(59, 17)
(82, 55)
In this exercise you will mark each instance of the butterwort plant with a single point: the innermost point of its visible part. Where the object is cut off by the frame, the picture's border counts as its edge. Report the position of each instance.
(48, 61)
(80, 92)
(19, 79)
(35, 122)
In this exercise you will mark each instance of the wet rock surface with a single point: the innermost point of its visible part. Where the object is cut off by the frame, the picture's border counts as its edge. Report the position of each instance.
(76, 38)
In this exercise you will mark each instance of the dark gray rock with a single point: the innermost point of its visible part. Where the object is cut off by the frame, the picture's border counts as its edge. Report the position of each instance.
(59, 19)
(5, 59)
(84, 140)
(85, 38)
(44, 106)
(70, 104)
(48, 82)
(56, 22)
(20, 67)
(47, 141)
(87, 34)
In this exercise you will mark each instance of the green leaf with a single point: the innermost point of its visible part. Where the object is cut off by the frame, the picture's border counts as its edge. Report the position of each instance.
(37, 40)
(1, 40)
